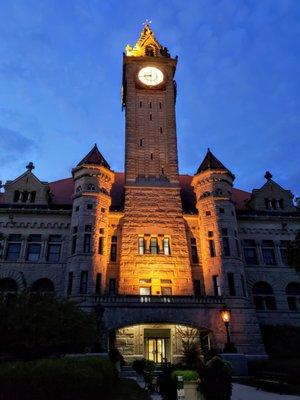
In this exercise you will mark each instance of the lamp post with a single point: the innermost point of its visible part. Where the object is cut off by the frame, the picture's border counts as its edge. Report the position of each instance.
(226, 315)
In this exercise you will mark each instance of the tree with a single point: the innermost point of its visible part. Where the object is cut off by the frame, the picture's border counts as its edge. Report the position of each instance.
(40, 325)
(293, 253)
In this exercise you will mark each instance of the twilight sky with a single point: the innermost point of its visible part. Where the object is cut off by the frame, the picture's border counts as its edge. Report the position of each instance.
(238, 83)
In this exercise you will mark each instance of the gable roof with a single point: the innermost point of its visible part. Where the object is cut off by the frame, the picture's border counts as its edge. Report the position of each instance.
(94, 157)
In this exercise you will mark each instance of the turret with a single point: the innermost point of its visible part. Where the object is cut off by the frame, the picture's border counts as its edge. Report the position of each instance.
(93, 180)
(223, 268)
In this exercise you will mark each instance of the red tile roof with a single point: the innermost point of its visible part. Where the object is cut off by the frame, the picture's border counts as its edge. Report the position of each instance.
(63, 190)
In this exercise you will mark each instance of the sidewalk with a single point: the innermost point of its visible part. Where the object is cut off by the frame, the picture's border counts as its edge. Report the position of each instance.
(243, 392)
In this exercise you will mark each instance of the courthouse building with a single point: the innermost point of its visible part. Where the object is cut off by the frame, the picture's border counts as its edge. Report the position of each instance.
(160, 251)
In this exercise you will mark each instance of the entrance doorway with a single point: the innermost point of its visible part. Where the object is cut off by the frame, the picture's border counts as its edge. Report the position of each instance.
(157, 345)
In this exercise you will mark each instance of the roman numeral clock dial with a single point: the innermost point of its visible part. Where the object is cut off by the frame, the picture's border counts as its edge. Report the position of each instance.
(150, 76)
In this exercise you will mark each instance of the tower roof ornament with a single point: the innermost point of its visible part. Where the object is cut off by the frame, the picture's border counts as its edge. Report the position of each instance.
(268, 175)
(147, 45)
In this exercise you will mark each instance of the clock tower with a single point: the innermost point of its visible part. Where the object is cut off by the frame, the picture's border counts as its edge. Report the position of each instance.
(154, 257)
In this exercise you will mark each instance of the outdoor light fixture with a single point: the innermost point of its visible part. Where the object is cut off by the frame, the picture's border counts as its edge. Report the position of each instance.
(226, 315)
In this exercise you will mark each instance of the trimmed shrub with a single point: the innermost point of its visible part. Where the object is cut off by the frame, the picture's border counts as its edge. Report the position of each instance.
(142, 365)
(64, 379)
(187, 375)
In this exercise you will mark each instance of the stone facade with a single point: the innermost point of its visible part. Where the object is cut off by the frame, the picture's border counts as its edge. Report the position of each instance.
(156, 249)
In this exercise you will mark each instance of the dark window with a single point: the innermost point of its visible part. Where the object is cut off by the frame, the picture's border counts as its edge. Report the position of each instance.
(166, 244)
(101, 245)
(32, 196)
(13, 248)
(98, 284)
(194, 251)
(207, 213)
(77, 208)
(210, 234)
(222, 210)
(101, 231)
(25, 195)
(243, 286)
(161, 130)
(70, 283)
(237, 246)
(160, 105)
(216, 285)
(197, 288)
(226, 246)
(34, 248)
(83, 282)
(231, 285)
(113, 249)
(16, 195)
(141, 142)
(54, 248)
(149, 51)
(263, 296)
(112, 287)
(212, 250)
(150, 105)
(293, 295)
(87, 239)
(141, 245)
(141, 104)
(224, 231)
(151, 156)
(153, 245)
(162, 171)
(250, 252)
(89, 206)
(150, 117)
(74, 243)
(102, 209)
(268, 256)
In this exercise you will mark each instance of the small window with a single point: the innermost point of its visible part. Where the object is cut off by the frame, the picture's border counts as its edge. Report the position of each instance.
(32, 196)
(83, 282)
(98, 284)
(113, 249)
(25, 195)
(145, 291)
(243, 286)
(150, 117)
(162, 171)
(150, 105)
(160, 105)
(210, 234)
(166, 245)
(53, 254)
(224, 231)
(166, 291)
(70, 283)
(102, 209)
(77, 208)
(231, 284)
(165, 281)
(87, 243)
(89, 206)
(151, 156)
(101, 245)
(141, 142)
(141, 104)
(207, 213)
(161, 130)
(91, 187)
(222, 210)
(34, 248)
(153, 245)
(112, 287)
(78, 189)
(216, 285)
(194, 251)
(212, 250)
(263, 296)
(141, 245)
(13, 248)
(101, 231)
(149, 51)
(16, 196)
(226, 246)
(144, 281)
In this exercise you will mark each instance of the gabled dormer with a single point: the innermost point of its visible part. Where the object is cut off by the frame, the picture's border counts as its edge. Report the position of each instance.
(27, 190)
(271, 197)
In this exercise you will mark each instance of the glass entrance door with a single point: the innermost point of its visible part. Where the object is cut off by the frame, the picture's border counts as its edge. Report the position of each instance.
(156, 349)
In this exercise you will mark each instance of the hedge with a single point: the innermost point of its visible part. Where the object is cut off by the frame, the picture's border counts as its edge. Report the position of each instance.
(60, 379)
(187, 375)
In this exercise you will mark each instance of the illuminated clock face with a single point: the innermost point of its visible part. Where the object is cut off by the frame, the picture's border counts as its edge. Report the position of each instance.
(151, 76)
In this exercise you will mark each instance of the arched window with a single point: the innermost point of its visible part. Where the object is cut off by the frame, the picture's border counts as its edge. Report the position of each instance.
(149, 51)
(218, 192)
(293, 295)
(79, 189)
(91, 186)
(263, 296)
(42, 285)
(8, 285)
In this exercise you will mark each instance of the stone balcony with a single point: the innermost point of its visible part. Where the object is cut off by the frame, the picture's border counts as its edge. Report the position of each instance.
(152, 301)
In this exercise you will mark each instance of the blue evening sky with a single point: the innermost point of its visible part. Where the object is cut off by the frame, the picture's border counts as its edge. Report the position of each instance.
(238, 83)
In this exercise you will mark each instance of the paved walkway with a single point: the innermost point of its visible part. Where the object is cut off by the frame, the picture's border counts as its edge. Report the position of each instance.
(243, 392)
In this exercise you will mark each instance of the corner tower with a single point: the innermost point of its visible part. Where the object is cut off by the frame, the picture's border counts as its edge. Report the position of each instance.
(154, 255)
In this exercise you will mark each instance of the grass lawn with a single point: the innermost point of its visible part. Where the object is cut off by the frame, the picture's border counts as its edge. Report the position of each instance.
(127, 389)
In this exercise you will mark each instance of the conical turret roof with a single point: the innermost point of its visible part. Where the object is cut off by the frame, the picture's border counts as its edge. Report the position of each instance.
(210, 161)
(94, 157)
